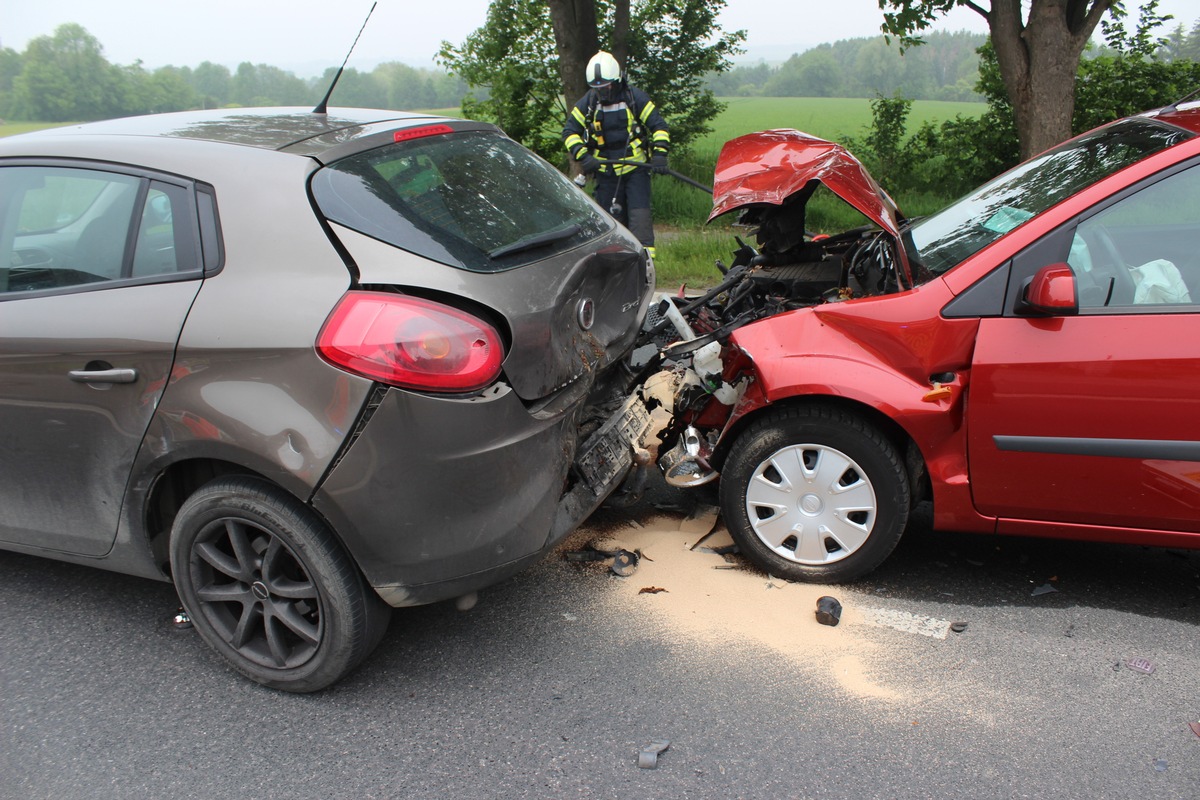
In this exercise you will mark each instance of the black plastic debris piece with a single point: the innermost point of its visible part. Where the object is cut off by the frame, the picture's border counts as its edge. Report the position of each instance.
(958, 627)
(586, 555)
(648, 757)
(723, 550)
(829, 610)
(1142, 665)
(1045, 588)
(624, 563)
(1070, 632)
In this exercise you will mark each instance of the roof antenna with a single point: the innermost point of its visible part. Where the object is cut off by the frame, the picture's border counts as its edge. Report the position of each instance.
(1175, 106)
(324, 104)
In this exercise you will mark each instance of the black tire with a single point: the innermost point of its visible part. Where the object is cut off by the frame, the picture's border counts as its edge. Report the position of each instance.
(269, 588)
(778, 482)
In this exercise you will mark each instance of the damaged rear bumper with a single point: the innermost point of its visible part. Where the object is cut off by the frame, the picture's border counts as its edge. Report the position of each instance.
(476, 489)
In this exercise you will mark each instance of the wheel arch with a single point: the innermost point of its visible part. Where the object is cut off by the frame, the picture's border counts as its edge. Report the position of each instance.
(170, 490)
(914, 460)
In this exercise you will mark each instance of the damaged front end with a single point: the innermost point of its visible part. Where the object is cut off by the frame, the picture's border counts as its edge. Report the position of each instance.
(693, 369)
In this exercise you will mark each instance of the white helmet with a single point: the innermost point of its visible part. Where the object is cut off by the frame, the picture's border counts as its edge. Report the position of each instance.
(602, 70)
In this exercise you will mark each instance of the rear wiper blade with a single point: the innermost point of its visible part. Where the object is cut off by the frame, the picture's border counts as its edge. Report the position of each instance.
(541, 240)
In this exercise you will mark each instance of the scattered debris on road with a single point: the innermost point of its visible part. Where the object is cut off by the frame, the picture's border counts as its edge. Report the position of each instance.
(1142, 665)
(829, 610)
(624, 563)
(648, 757)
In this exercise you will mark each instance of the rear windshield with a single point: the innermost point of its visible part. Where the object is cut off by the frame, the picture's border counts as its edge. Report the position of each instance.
(474, 200)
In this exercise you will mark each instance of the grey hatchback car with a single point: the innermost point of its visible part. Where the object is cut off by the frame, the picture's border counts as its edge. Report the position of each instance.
(307, 366)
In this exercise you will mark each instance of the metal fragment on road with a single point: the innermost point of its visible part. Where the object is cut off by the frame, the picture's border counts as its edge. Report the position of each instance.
(625, 563)
(181, 621)
(648, 757)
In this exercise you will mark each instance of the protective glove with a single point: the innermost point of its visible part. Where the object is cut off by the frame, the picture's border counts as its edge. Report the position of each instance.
(589, 164)
(658, 162)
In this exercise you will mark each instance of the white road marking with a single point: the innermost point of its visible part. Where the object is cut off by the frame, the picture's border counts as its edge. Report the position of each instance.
(906, 622)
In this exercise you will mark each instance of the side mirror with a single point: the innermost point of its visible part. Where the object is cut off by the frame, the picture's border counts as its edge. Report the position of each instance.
(1050, 292)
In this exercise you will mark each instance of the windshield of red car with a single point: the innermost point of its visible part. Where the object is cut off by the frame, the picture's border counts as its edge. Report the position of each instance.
(950, 236)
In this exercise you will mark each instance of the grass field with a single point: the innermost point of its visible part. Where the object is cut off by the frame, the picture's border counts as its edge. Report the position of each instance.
(13, 128)
(832, 118)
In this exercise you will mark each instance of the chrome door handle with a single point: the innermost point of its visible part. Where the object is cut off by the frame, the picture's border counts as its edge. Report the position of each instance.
(126, 375)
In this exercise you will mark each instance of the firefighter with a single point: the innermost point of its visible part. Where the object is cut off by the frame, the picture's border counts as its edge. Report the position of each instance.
(616, 121)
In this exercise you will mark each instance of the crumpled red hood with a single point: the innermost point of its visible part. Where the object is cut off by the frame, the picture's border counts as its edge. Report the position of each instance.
(770, 166)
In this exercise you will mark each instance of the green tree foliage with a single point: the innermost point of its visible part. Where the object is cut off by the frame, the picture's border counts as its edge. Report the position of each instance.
(672, 45)
(1132, 75)
(64, 77)
(671, 48)
(944, 68)
(514, 57)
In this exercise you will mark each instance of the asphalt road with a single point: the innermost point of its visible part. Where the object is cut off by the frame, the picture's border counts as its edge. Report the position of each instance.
(554, 682)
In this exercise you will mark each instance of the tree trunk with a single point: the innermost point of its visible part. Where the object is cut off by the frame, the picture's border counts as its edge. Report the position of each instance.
(1039, 61)
(620, 42)
(575, 39)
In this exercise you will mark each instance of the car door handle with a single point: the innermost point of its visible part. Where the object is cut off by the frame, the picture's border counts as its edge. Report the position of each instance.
(125, 375)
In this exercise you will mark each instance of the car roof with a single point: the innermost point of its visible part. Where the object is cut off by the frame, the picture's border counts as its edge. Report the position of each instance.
(1184, 115)
(289, 129)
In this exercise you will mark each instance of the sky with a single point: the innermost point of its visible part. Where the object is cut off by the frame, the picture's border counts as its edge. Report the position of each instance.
(306, 37)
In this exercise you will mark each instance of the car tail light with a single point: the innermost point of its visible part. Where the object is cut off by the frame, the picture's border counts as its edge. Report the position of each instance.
(409, 342)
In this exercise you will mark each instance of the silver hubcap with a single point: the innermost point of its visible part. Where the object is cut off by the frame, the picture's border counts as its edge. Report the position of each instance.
(811, 504)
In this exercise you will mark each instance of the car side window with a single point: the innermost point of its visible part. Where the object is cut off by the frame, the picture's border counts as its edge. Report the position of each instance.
(1140, 253)
(66, 227)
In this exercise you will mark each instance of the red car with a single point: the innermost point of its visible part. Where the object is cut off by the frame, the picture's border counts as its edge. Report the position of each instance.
(1028, 359)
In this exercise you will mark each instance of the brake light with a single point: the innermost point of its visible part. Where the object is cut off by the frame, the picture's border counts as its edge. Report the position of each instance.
(412, 343)
(419, 133)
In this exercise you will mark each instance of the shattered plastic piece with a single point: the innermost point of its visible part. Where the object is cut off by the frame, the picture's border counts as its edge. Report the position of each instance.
(829, 610)
(958, 627)
(700, 522)
(182, 621)
(625, 563)
(648, 758)
(1142, 665)
(1160, 765)
(586, 555)
(1045, 588)
(721, 551)
(651, 590)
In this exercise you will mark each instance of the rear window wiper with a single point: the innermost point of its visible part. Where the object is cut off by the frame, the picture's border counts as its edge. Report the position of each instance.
(541, 240)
